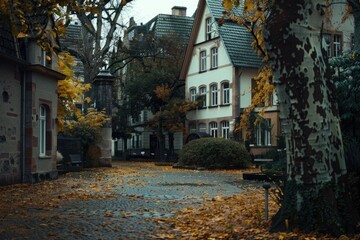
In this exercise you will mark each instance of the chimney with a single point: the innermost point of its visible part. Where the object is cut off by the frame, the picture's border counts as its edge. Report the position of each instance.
(179, 11)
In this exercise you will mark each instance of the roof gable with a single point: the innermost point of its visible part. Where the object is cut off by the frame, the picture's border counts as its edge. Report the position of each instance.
(236, 39)
(165, 25)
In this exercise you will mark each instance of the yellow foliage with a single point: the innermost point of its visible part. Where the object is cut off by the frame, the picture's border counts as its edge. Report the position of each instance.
(92, 119)
(70, 91)
(163, 92)
(254, 13)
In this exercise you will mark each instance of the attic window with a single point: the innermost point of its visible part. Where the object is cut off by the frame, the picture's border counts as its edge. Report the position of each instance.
(209, 29)
(5, 96)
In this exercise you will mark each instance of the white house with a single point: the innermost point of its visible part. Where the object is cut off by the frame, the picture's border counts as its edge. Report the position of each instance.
(219, 66)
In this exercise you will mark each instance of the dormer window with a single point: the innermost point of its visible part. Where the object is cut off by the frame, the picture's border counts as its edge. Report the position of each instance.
(209, 28)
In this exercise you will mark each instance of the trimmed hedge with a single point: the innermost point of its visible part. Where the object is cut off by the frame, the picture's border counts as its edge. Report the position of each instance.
(214, 153)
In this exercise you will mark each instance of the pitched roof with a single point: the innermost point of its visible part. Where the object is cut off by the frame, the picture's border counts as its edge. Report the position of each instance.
(236, 38)
(165, 24)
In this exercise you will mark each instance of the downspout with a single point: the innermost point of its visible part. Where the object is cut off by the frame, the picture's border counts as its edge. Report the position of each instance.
(23, 115)
(22, 128)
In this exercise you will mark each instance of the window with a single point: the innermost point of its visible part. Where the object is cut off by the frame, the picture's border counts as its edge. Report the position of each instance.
(214, 95)
(225, 93)
(333, 44)
(5, 96)
(193, 94)
(203, 61)
(263, 133)
(225, 129)
(214, 58)
(208, 28)
(42, 133)
(202, 91)
(213, 129)
(202, 127)
(192, 128)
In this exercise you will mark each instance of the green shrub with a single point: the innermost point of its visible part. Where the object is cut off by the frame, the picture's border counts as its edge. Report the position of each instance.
(214, 153)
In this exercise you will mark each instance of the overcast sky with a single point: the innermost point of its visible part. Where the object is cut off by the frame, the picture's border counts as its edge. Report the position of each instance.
(145, 10)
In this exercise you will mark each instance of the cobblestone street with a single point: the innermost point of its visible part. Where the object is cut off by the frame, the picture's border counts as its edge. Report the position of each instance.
(110, 207)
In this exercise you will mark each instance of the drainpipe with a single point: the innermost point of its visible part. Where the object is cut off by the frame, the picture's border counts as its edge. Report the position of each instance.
(22, 128)
(23, 115)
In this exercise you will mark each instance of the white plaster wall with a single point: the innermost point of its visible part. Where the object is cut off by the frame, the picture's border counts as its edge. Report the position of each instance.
(245, 86)
(336, 23)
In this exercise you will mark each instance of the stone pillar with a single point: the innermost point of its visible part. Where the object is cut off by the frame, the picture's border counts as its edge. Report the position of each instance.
(102, 89)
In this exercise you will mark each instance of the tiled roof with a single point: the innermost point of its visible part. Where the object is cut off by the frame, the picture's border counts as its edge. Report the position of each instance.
(236, 38)
(7, 40)
(164, 25)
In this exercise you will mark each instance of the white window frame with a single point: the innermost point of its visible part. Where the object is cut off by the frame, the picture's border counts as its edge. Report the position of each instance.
(42, 131)
(202, 91)
(214, 57)
(225, 129)
(263, 136)
(192, 94)
(336, 45)
(214, 95)
(226, 93)
(203, 61)
(209, 28)
(333, 44)
(213, 129)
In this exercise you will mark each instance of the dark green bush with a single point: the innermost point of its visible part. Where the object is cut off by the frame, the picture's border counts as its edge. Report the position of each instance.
(214, 153)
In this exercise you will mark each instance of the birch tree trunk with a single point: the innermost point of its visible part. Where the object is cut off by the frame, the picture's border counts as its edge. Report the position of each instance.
(309, 119)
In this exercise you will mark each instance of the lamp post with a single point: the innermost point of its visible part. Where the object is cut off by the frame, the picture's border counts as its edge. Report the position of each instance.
(266, 186)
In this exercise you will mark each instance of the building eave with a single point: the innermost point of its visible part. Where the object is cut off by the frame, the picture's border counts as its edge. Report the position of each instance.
(193, 36)
(46, 71)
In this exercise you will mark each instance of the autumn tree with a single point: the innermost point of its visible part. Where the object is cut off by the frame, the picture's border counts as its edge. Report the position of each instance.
(152, 83)
(98, 30)
(70, 92)
(288, 33)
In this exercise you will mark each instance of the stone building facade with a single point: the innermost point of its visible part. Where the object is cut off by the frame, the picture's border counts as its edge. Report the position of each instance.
(28, 110)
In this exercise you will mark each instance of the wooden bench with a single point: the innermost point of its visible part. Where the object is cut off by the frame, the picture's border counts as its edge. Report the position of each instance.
(263, 160)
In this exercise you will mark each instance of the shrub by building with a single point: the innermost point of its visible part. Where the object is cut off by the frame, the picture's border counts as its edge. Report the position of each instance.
(214, 153)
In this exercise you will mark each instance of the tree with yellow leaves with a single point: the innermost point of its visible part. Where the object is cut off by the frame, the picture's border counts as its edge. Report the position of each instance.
(70, 92)
(288, 33)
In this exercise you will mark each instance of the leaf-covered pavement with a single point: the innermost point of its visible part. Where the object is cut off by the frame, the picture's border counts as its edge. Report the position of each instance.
(139, 201)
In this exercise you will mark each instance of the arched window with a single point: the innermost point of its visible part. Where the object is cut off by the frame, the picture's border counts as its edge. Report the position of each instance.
(213, 129)
(225, 93)
(214, 95)
(193, 94)
(5, 96)
(225, 127)
(202, 92)
(202, 127)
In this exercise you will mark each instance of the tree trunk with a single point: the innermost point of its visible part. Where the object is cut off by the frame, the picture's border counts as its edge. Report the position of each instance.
(309, 118)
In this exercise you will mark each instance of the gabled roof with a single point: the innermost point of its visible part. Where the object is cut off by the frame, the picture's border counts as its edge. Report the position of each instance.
(236, 38)
(165, 25)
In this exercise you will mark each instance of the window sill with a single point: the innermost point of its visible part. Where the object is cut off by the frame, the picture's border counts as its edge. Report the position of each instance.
(202, 71)
(213, 68)
(200, 108)
(213, 106)
(225, 105)
(45, 157)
